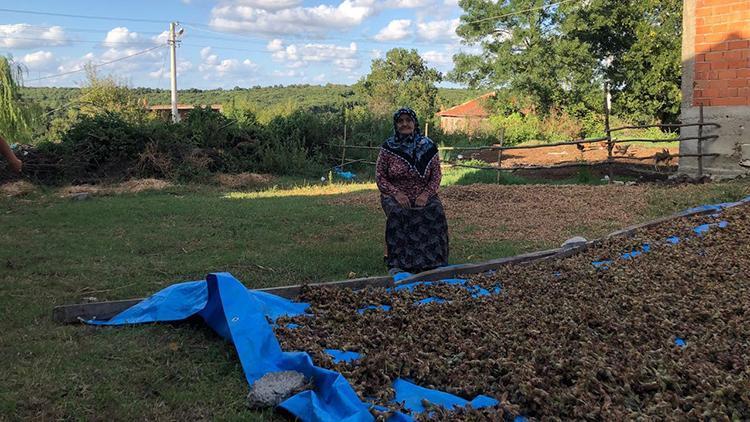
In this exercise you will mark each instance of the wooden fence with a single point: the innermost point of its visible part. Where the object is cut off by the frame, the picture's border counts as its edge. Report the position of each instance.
(609, 140)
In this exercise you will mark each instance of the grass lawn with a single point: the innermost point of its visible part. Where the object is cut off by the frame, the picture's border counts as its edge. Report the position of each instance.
(56, 251)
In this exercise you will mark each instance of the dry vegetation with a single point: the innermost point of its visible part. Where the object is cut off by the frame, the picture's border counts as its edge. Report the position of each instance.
(563, 339)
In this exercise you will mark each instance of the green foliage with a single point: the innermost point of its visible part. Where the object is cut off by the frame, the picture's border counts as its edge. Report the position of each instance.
(108, 95)
(15, 114)
(524, 51)
(518, 128)
(401, 79)
(559, 56)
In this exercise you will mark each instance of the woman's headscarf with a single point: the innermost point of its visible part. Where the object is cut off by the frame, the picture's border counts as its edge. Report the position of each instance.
(416, 149)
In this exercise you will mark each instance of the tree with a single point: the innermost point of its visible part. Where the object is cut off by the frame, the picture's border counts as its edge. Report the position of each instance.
(106, 95)
(558, 55)
(15, 114)
(641, 41)
(524, 52)
(401, 79)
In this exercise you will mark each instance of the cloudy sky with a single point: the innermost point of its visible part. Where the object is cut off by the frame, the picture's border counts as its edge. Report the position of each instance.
(226, 43)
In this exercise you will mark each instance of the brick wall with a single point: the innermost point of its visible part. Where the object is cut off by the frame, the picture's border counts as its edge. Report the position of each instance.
(722, 53)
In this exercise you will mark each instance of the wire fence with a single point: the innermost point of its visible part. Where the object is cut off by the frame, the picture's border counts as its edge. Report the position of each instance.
(616, 153)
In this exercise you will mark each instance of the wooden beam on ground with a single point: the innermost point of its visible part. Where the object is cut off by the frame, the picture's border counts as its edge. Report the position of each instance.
(457, 270)
(67, 314)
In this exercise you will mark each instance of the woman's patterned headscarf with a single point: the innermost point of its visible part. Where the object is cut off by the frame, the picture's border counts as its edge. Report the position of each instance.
(416, 149)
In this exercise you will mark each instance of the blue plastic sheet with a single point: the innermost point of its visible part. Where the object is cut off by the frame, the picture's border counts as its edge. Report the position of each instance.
(242, 317)
(704, 228)
(384, 308)
(427, 300)
(413, 397)
(342, 356)
(603, 264)
(673, 240)
(346, 175)
(239, 315)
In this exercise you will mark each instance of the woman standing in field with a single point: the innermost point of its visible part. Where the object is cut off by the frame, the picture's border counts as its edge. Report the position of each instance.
(408, 176)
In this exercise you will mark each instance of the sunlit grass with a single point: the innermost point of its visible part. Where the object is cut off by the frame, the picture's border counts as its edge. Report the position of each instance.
(309, 190)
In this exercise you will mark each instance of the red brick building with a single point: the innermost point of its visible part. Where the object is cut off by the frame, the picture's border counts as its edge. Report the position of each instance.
(716, 73)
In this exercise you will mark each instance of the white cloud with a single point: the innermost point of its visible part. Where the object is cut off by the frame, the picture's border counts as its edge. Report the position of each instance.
(161, 38)
(183, 66)
(346, 58)
(438, 58)
(121, 35)
(39, 60)
(275, 45)
(438, 30)
(408, 4)
(376, 54)
(23, 35)
(269, 4)
(289, 73)
(212, 66)
(395, 30)
(243, 16)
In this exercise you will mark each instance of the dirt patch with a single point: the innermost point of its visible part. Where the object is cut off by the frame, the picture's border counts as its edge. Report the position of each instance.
(566, 154)
(537, 213)
(244, 180)
(131, 186)
(658, 335)
(16, 189)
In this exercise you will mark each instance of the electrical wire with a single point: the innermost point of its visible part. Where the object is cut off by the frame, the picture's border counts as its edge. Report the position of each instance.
(98, 65)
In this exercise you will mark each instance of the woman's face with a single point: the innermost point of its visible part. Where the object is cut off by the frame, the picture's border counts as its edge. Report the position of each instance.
(405, 124)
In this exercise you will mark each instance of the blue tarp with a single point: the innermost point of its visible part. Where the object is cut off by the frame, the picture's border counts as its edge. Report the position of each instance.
(242, 317)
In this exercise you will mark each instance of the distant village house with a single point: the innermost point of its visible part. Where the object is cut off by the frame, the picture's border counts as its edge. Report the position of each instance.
(469, 117)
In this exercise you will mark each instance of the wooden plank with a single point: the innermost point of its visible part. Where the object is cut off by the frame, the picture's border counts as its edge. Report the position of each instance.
(456, 270)
(104, 310)
(66, 314)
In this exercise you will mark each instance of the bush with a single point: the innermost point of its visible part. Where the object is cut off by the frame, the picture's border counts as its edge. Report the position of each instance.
(519, 128)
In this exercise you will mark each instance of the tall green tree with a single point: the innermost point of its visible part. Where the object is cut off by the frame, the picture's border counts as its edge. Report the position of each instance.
(638, 45)
(558, 55)
(401, 79)
(524, 52)
(15, 115)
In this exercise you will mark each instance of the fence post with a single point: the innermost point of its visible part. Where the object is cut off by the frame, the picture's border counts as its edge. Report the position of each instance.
(610, 145)
(343, 148)
(500, 154)
(427, 129)
(700, 141)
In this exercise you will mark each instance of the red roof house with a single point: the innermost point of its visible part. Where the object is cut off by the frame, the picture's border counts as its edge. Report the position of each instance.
(468, 117)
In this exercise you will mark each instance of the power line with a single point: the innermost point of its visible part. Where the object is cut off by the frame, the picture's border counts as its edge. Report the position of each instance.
(124, 43)
(66, 15)
(97, 65)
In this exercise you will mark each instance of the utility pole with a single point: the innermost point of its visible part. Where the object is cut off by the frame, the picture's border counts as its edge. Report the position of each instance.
(173, 71)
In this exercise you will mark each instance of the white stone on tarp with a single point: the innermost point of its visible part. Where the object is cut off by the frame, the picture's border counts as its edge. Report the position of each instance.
(275, 387)
(573, 242)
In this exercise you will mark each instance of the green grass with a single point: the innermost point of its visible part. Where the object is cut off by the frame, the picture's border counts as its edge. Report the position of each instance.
(57, 251)
(468, 176)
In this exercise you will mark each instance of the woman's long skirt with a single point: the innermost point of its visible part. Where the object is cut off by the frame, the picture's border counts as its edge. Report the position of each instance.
(416, 238)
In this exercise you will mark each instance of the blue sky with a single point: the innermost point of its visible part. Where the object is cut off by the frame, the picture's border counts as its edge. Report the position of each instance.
(226, 43)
